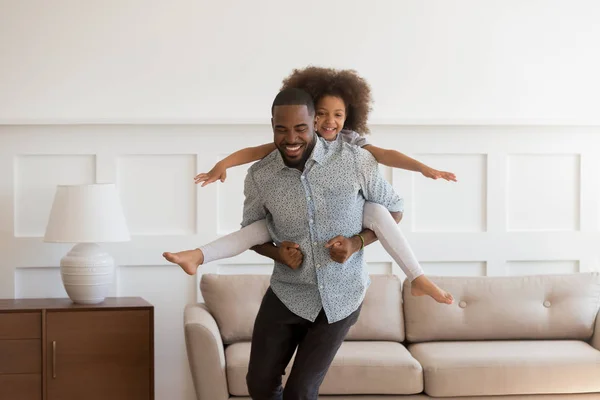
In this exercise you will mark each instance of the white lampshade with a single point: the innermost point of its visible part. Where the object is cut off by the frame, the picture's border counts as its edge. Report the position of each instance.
(87, 214)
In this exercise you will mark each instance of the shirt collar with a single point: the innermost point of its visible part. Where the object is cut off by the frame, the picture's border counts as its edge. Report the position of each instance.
(318, 153)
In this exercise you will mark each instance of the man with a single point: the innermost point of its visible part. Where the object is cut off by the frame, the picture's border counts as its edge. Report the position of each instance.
(311, 193)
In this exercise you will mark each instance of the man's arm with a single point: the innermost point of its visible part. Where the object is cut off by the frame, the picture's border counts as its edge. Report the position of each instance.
(397, 215)
(375, 189)
(341, 248)
(254, 208)
(287, 253)
(267, 250)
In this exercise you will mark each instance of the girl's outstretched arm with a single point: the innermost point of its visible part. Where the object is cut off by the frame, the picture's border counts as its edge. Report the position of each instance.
(244, 156)
(395, 159)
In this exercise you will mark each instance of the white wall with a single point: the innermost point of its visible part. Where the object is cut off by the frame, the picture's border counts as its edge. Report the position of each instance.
(223, 60)
(147, 93)
(527, 202)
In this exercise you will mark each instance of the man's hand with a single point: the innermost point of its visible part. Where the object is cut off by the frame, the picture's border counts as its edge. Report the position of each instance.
(341, 247)
(290, 254)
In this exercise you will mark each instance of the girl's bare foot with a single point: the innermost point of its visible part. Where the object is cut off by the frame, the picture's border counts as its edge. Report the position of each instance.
(188, 260)
(422, 286)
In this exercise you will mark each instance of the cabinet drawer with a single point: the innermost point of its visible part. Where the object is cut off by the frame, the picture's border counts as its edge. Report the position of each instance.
(21, 356)
(21, 387)
(20, 325)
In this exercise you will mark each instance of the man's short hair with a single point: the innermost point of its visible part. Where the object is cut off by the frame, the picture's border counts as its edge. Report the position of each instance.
(294, 97)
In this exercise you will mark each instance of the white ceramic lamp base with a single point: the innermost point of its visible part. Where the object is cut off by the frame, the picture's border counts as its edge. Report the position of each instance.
(87, 273)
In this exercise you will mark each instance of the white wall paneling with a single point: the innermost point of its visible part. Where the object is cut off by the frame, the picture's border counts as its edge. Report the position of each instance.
(36, 177)
(380, 267)
(551, 179)
(463, 208)
(455, 268)
(150, 179)
(527, 201)
(549, 267)
(38, 282)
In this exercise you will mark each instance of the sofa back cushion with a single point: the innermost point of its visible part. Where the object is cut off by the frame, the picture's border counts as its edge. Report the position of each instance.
(381, 317)
(505, 308)
(234, 300)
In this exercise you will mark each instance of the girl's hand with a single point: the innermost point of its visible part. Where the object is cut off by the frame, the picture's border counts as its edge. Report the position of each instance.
(217, 173)
(435, 174)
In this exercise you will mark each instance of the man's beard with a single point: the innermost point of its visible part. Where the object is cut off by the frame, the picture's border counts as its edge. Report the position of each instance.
(308, 148)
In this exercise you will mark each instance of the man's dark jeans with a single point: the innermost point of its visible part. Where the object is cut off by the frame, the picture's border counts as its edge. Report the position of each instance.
(277, 334)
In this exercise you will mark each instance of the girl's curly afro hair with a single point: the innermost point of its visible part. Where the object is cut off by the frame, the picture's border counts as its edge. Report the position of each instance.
(345, 84)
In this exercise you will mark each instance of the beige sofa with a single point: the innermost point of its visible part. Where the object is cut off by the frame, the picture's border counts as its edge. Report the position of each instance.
(504, 338)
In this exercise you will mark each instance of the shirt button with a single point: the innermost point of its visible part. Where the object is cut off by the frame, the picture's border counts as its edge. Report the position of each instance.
(308, 198)
(315, 243)
(318, 265)
(320, 286)
(302, 177)
(311, 221)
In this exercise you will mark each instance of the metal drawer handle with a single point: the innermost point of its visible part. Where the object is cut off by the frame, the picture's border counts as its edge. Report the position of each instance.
(54, 360)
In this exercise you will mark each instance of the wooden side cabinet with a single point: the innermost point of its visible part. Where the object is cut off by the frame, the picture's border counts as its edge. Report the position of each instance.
(52, 349)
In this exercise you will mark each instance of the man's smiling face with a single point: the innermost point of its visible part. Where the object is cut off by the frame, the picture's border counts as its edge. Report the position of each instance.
(293, 133)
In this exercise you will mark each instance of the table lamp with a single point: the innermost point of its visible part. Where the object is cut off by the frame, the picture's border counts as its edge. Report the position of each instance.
(87, 215)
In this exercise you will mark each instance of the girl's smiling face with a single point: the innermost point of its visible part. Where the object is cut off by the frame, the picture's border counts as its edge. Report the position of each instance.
(331, 115)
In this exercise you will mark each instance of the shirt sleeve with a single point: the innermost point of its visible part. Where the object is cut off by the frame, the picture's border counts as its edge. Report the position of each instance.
(354, 138)
(254, 208)
(374, 186)
(361, 141)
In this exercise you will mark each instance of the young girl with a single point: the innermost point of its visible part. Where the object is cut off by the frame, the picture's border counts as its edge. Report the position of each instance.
(342, 104)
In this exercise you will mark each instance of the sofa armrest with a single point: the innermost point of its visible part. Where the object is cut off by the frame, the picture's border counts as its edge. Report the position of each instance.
(596, 337)
(206, 353)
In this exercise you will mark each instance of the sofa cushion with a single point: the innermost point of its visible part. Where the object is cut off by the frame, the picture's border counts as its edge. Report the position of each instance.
(547, 307)
(234, 300)
(381, 317)
(358, 368)
(508, 367)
